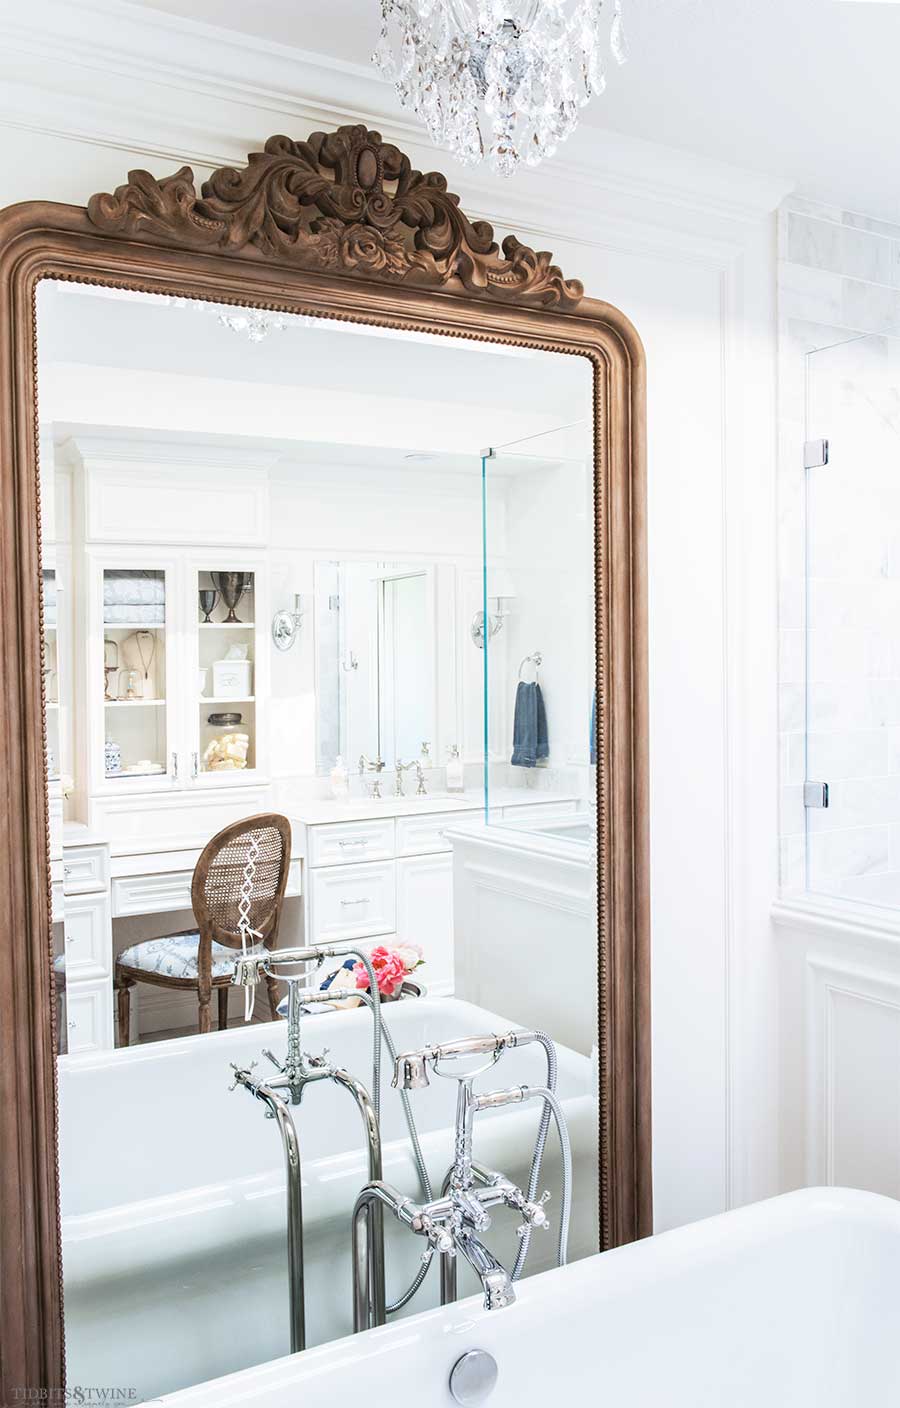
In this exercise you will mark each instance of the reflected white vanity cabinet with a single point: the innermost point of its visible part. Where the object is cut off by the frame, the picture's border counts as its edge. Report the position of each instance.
(88, 944)
(388, 880)
(153, 522)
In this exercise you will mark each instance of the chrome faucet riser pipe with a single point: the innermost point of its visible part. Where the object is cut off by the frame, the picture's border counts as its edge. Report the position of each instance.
(369, 1308)
(281, 1112)
(267, 1091)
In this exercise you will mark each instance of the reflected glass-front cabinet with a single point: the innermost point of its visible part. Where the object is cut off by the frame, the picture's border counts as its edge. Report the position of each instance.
(171, 663)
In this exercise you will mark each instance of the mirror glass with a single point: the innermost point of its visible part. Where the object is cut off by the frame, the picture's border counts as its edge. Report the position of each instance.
(319, 672)
(377, 658)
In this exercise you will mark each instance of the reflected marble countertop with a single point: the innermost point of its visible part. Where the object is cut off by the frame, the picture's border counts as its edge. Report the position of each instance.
(317, 811)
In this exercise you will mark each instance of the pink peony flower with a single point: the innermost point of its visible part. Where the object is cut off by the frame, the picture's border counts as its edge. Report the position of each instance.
(390, 971)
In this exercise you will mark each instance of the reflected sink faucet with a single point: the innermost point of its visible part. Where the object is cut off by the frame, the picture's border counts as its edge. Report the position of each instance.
(376, 766)
(400, 768)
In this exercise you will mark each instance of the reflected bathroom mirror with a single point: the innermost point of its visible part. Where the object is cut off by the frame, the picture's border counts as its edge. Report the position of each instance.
(349, 790)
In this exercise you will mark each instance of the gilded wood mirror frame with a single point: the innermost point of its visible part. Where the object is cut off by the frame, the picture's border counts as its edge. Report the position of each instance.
(338, 226)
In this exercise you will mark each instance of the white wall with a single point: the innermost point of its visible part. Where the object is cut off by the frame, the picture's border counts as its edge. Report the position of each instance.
(686, 248)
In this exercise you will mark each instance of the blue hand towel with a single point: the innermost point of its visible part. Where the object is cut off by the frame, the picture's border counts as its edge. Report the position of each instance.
(530, 744)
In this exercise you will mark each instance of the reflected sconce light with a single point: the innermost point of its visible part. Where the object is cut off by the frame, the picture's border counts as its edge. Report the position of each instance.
(286, 624)
(501, 596)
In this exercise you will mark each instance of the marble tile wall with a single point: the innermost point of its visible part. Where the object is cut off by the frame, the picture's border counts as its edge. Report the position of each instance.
(839, 551)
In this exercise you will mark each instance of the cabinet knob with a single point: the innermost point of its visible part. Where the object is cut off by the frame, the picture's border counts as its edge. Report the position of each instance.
(363, 900)
(195, 764)
(174, 767)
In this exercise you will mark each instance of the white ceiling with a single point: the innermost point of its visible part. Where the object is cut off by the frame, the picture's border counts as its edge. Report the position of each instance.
(806, 89)
(373, 395)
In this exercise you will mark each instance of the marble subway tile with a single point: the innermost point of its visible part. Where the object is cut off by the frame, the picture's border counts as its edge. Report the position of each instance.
(871, 307)
(836, 854)
(842, 249)
(791, 666)
(858, 802)
(793, 758)
(885, 703)
(791, 707)
(791, 594)
(846, 753)
(841, 704)
(792, 863)
(819, 209)
(836, 655)
(809, 293)
(792, 811)
(867, 222)
(882, 890)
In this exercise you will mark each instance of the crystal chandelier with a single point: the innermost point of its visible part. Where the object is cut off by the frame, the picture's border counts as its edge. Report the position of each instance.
(498, 79)
(253, 322)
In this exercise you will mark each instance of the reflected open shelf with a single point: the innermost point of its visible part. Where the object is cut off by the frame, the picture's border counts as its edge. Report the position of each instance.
(133, 703)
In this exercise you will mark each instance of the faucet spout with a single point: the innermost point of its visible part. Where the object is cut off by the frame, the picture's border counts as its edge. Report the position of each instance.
(496, 1281)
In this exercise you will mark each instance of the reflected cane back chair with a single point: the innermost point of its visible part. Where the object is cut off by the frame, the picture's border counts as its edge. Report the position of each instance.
(255, 850)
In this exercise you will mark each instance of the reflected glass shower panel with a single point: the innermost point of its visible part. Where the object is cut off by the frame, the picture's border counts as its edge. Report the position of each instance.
(538, 602)
(847, 654)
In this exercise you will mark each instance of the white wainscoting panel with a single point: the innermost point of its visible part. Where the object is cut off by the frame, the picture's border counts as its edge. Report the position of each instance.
(853, 1076)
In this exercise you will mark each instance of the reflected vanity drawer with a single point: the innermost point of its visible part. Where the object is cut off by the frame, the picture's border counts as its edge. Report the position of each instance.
(349, 842)
(85, 868)
(167, 892)
(89, 1024)
(349, 902)
(88, 938)
(423, 835)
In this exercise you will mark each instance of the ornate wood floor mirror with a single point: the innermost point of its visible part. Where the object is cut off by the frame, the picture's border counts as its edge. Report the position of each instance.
(338, 226)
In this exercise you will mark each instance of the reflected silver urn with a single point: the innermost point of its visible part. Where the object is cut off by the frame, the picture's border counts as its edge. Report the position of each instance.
(231, 586)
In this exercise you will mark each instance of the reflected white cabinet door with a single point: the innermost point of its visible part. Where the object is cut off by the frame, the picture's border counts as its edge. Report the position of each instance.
(88, 933)
(425, 915)
(89, 1020)
(352, 901)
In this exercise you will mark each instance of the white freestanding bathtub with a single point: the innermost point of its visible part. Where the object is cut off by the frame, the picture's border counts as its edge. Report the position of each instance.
(173, 1190)
(792, 1303)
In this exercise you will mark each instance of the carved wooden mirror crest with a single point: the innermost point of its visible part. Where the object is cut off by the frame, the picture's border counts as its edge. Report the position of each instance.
(339, 225)
(344, 202)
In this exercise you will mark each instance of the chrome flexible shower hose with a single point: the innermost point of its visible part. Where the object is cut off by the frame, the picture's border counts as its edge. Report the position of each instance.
(539, 1146)
(424, 1180)
(377, 1026)
(550, 1101)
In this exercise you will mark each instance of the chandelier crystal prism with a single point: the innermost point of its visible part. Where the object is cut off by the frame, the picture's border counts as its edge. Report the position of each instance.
(498, 80)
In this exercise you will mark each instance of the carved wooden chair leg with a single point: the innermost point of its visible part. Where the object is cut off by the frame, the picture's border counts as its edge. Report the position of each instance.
(274, 996)
(205, 1016)
(123, 1011)
(223, 1008)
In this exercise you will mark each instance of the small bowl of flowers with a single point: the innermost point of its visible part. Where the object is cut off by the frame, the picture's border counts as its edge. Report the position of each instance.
(393, 967)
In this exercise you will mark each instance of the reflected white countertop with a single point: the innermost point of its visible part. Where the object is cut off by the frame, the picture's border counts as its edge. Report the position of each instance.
(317, 811)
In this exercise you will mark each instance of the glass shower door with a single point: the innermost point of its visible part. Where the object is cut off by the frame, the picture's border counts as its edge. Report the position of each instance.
(849, 655)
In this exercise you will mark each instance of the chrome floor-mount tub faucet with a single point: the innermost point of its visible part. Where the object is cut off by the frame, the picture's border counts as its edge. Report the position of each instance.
(453, 1224)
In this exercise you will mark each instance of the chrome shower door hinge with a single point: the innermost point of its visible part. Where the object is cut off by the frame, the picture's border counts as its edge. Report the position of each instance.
(815, 454)
(815, 794)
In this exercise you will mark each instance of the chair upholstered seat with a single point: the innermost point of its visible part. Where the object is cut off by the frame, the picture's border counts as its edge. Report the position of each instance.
(175, 956)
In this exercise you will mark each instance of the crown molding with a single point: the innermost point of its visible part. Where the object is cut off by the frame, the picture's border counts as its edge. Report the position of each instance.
(172, 89)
